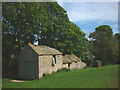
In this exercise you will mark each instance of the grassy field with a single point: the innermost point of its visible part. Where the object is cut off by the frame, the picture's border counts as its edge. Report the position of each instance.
(102, 77)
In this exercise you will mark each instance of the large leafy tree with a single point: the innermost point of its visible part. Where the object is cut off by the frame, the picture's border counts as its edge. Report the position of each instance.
(117, 38)
(60, 33)
(20, 23)
(103, 44)
(45, 22)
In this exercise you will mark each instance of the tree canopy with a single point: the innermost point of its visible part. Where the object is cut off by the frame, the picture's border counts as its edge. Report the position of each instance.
(45, 22)
(104, 45)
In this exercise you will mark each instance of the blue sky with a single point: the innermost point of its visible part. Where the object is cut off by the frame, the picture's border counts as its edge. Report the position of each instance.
(89, 15)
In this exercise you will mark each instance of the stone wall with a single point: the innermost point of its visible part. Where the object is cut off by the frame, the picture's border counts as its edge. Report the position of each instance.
(65, 65)
(59, 62)
(73, 66)
(45, 64)
(78, 65)
(81, 65)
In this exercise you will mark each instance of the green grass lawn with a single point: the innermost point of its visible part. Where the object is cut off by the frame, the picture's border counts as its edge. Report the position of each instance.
(102, 77)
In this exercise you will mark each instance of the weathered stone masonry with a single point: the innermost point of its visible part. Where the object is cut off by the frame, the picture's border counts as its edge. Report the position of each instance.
(35, 61)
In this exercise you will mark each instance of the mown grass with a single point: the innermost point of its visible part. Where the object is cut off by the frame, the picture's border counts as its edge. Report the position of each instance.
(102, 77)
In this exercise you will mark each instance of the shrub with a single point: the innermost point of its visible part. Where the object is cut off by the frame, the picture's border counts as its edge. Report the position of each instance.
(88, 58)
(63, 70)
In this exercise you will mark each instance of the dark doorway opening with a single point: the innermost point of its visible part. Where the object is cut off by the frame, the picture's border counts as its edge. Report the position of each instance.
(68, 64)
(54, 60)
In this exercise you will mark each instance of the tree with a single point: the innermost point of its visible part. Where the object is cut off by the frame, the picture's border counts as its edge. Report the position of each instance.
(103, 44)
(117, 39)
(88, 58)
(117, 36)
(60, 33)
(19, 26)
(45, 22)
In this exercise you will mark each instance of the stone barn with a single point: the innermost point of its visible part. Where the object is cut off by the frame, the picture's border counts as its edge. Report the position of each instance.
(34, 61)
(73, 62)
(97, 63)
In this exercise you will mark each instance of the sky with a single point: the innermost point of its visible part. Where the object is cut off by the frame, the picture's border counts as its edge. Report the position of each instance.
(89, 15)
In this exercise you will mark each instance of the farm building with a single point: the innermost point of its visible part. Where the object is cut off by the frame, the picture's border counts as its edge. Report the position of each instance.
(72, 62)
(34, 61)
(97, 63)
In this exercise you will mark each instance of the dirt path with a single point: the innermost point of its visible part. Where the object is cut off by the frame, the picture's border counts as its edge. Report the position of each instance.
(18, 80)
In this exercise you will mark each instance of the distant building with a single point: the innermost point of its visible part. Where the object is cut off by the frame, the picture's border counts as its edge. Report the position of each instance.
(73, 62)
(97, 63)
(34, 61)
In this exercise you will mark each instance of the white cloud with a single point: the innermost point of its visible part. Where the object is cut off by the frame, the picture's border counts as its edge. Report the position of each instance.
(90, 11)
(115, 28)
(87, 0)
(89, 15)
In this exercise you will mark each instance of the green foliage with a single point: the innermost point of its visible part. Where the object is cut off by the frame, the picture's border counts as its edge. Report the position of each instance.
(63, 70)
(88, 58)
(103, 45)
(64, 36)
(117, 36)
(117, 54)
(45, 22)
(102, 77)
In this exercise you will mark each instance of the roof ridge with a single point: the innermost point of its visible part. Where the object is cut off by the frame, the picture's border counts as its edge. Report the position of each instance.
(33, 47)
(43, 49)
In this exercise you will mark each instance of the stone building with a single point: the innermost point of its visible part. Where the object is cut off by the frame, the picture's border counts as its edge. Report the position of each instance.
(72, 62)
(97, 63)
(34, 61)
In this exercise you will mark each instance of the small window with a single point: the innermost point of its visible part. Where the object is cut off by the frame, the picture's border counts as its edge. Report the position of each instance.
(54, 60)
(58, 57)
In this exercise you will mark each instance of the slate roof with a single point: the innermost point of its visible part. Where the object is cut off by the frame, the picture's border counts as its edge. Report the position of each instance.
(44, 50)
(70, 58)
